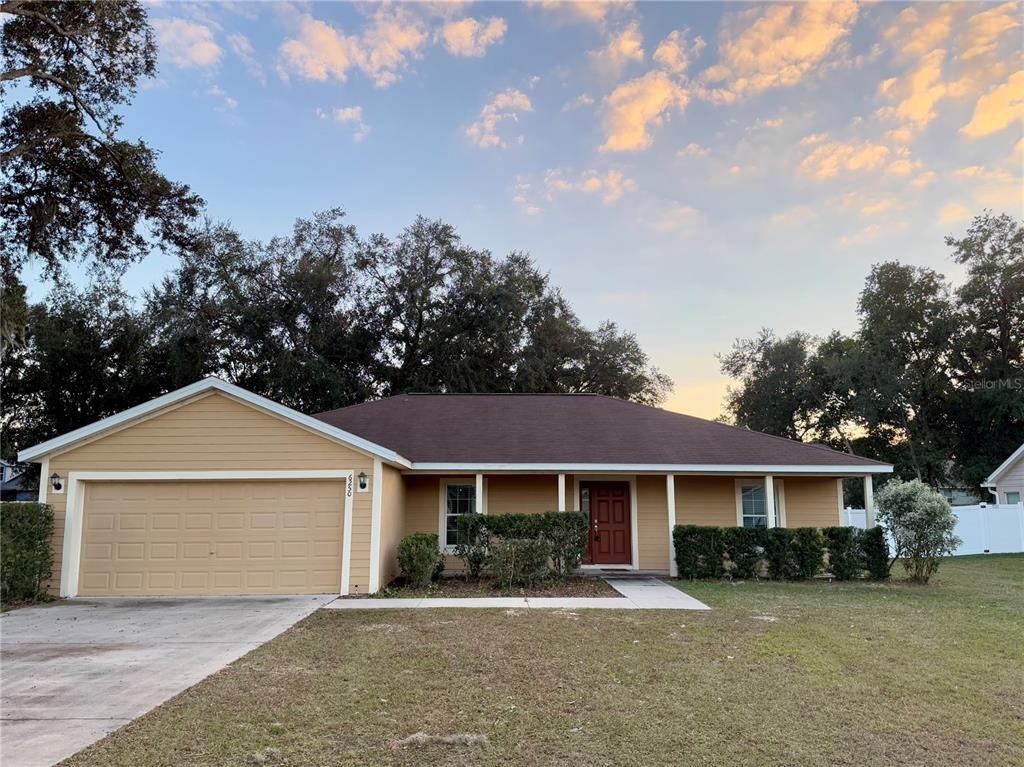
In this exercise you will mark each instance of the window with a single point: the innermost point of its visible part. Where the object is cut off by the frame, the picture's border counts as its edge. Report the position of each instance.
(459, 499)
(755, 511)
(1013, 498)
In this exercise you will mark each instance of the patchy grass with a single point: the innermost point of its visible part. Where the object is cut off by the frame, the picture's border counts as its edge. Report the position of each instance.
(461, 587)
(776, 674)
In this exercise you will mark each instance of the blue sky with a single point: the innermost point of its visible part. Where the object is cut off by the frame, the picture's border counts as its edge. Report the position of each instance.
(693, 171)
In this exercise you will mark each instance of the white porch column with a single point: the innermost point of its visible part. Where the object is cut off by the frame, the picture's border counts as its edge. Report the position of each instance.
(670, 491)
(561, 492)
(869, 502)
(480, 494)
(769, 499)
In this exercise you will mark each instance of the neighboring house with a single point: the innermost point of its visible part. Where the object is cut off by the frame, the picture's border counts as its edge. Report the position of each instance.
(14, 484)
(1007, 482)
(214, 490)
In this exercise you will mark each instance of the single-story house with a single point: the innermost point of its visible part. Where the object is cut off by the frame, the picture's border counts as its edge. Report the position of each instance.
(1006, 483)
(212, 489)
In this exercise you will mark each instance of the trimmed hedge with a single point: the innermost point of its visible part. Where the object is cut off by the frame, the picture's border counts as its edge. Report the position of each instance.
(784, 553)
(26, 555)
(876, 553)
(845, 552)
(483, 536)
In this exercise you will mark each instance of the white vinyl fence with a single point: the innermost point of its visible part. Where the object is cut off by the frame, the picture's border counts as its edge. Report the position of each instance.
(984, 529)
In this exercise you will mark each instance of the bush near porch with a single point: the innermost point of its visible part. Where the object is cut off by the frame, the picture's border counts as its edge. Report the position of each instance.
(26, 558)
(780, 553)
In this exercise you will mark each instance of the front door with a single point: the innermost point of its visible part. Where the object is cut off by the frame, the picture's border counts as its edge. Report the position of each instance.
(610, 541)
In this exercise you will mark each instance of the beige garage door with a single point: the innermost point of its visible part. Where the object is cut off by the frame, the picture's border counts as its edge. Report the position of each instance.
(216, 537)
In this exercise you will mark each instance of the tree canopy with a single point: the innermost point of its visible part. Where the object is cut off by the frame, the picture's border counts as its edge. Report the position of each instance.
(932, 380)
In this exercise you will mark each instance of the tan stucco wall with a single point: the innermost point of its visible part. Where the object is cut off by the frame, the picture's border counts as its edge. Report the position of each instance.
(216, 432)
(811, 501)
(705, 501)
(392, 522)
(652, 522)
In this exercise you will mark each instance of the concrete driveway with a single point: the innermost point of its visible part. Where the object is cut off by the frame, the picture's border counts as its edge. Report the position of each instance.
(72, 672)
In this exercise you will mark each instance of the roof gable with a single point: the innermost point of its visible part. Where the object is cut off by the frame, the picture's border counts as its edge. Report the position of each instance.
(187, 393)
(1005, 466)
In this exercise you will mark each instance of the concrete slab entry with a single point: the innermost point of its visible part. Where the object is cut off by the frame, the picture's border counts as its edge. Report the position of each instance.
(654, 594)
(72, 672)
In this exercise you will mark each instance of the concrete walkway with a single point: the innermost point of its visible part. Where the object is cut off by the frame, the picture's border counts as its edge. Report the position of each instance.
(76, 670)
(637, 594)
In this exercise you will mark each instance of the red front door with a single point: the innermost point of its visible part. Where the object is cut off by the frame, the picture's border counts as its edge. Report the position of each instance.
(610, 527)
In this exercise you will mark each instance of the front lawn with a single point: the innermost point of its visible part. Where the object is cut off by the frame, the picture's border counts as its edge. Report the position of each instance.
(776, 674)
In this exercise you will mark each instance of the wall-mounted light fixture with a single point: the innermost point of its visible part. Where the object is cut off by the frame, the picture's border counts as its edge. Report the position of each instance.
(363, 484)
(56, 483)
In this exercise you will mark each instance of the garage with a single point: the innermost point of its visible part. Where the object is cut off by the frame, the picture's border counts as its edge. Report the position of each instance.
(143, 538)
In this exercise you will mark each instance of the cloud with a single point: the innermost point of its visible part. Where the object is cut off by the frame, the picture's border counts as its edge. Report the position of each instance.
(522, 197)
(995, 188)
(877, 207)
(634, 106)
(583, 100)
(693, 150)
(187, 43)
(998, 108)
(984, 30)
(611, 186)
(347, 116)
(215, 91)
(776, 46)
(469, 37)
(674, 54)
(916, 94)
(867, 234)
(243, 49)
(504, 107)
(830, 158)
(622, 48)
(953, 211)
(903, 165)
(590, 11)
(677, 217)
(381, 51)
(924, 179)
(918, 30)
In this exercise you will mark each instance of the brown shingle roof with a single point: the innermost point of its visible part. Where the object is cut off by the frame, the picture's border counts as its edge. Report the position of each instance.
(565, 429)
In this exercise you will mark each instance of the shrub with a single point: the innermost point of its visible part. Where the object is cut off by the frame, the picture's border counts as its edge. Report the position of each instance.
(876, 553)
(26, 555)
(921, 523)
(700, 551)
(808, 551)
(567, 532)
(419, 557)
(844, 552)
(780, 554)
(745, 547)
(473, 545)
(521, 562)
(510, 526)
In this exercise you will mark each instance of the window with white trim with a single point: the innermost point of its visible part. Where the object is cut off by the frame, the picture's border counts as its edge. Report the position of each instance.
(755, 510)
(1013, 498)
(459, 499)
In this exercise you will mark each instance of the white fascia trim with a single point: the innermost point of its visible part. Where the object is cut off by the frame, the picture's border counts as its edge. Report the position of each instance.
(199, 387)
(990, 481)
(632, 468)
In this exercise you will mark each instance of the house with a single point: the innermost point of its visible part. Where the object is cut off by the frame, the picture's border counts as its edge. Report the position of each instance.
(212, 489)
(1006, 483)
(14, 483)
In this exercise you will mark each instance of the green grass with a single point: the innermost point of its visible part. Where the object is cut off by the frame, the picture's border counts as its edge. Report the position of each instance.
(777, 674)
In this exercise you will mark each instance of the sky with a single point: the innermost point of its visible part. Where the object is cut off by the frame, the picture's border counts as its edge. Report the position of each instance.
(692, 171)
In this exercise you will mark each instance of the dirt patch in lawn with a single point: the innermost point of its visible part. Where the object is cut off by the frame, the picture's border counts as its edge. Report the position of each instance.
(461, 587)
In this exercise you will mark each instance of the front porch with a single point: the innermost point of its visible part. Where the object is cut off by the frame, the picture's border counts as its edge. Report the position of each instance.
(632, 513)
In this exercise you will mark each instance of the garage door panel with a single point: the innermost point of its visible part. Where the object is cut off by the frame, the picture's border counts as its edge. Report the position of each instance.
(218, 537)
